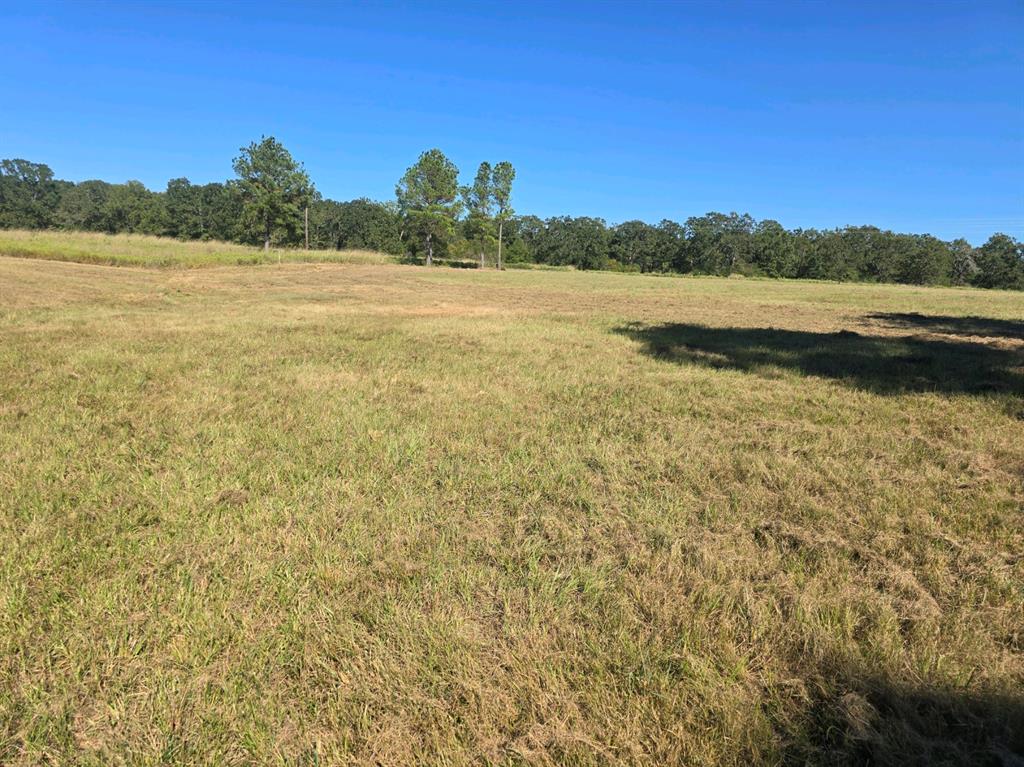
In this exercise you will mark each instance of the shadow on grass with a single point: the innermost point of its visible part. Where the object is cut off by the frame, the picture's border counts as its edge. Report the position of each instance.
(868, 720)
(883, 365)
(953, 326)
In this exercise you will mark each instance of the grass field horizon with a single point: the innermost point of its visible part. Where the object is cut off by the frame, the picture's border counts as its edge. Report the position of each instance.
(151, 251)
(146, 250)
(366, 513)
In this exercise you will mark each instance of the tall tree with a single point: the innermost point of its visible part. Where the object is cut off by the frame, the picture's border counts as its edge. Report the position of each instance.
(130, 207)
(582, 242)
(773, 249)
(357, 224)
(922, 259)
(673, 235)
(1000, 263)
(719, 243)
(188, 209)
(428, 197)
(501, 190)
(274, 187)
(531, 233)
(225, 204)
(636, 245)
(28, 194)
(478, 199)
(83, 206)
(963, 268)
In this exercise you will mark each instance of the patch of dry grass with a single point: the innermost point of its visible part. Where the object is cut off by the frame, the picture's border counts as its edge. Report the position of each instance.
(346, 514)
(144, 250)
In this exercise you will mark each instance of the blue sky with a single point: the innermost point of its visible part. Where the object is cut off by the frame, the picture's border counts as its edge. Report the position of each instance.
(906, 116)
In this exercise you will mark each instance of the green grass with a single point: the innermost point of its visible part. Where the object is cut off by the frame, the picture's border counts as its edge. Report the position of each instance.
(144, 250)
(375, 514)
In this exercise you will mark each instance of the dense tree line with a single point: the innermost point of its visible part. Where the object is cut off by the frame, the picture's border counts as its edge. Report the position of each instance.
(433, 217)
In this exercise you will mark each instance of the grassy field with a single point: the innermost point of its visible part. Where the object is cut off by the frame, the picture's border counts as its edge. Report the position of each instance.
(143, 250)
(376, 514)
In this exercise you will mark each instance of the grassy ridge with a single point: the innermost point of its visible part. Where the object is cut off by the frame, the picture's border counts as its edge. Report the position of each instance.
(361, 514)
(144, 250)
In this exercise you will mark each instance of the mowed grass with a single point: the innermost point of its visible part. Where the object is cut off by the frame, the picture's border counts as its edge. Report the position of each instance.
(349, 514)
(144, 250)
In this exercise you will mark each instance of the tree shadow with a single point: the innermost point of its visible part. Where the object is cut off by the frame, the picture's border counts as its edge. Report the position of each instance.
(856, 718)
(879, 364)
(953, 326)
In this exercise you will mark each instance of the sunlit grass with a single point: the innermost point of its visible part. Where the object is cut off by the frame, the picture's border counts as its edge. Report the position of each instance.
(359, 514)
(144, 250)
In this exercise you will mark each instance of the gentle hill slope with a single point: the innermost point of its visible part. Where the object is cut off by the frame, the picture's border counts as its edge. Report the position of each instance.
(145, 250)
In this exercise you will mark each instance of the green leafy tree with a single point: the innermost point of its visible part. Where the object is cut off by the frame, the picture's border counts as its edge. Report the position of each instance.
(184, 206)
(922, 259)
(357, 224)
(224, 203)
(718, 243)
(478, 202)
(274, 188)
(130, 207)
(636, 245)
(28, 194)
(428, 198)
(531, 231)
(83, 206)
(836, 256)
(675, 255)
(964, 268)
(805, 257)
(1000, 263)
(645, 247)
(266, 202)
(202, 211)
(773, 249)
(501, 191)
(863, 252)
(582, 242)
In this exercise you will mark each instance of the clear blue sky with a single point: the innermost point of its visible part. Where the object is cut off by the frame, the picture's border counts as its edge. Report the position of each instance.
(907, 116)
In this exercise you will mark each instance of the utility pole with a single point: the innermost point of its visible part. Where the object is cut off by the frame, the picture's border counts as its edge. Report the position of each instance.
(307, 227)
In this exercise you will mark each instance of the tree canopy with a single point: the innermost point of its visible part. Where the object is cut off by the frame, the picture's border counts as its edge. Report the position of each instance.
(274, 189)
(428, 196)
(434, 217)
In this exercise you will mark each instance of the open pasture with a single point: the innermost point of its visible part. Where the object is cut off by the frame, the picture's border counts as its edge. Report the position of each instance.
(379, 514)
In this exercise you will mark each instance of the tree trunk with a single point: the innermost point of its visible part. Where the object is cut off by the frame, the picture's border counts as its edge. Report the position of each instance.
(481, 258)
(307, 227)
(430, 250)
(500, 224)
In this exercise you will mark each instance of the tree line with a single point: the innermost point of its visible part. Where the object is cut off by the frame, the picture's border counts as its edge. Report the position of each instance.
(271, 201)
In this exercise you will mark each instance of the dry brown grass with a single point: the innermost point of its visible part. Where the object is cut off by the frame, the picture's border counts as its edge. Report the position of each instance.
(346, 514)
